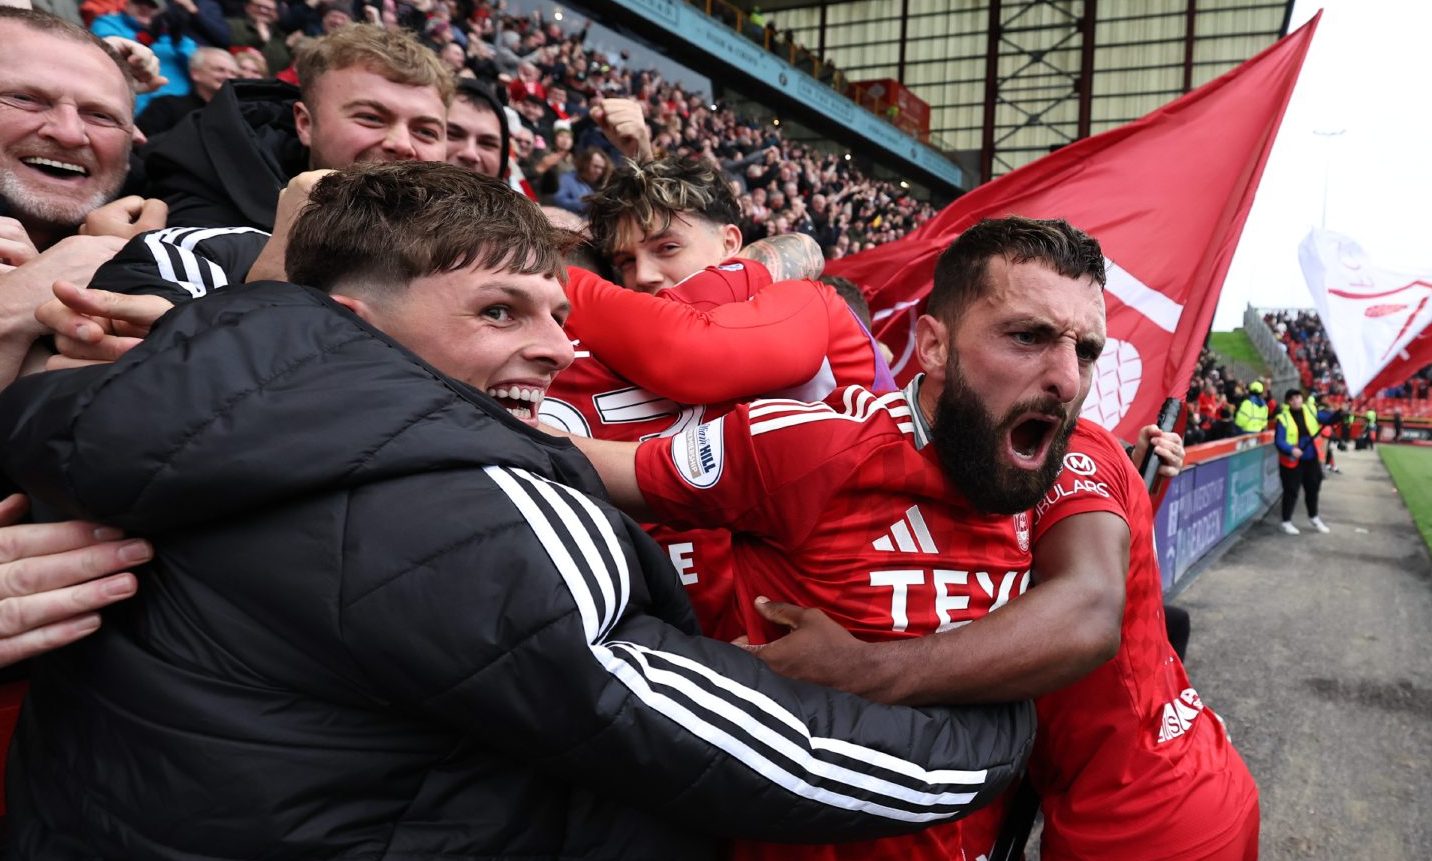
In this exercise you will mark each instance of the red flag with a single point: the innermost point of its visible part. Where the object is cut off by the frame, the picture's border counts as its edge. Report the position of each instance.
(1405, 363)
(1166, 196)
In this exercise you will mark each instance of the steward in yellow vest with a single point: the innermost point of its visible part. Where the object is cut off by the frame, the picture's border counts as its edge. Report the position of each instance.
(1294, 433)
(1289, 437)
(1252, 415)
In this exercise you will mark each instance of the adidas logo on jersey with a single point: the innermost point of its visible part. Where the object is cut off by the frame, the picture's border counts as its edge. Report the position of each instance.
(909, 534)
(1179, 715)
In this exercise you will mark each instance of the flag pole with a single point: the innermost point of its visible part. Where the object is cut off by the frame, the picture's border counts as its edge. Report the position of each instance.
(1327, 166)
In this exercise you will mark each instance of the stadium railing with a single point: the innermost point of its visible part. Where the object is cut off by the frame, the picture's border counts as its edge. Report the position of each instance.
(1285, 374)
(1224, 486)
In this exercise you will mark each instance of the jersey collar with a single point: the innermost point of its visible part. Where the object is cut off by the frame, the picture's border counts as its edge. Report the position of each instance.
(917, 415)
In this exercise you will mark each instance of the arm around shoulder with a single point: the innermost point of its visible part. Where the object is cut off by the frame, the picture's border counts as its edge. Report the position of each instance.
(787, 256)
(1048, 638)
(731, 352)
(706, 736)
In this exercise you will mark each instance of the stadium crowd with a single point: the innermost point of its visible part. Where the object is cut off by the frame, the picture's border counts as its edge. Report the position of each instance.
(1214, 395)
(382, 614)
(1221, 405)
(1216, 399)
(543, 72)
(1307, 344)
(1418, 387)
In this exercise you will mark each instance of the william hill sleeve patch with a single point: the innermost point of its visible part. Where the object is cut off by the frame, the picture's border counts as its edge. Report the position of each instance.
(698, 454)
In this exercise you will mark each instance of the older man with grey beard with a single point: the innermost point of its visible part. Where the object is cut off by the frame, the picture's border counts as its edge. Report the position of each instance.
(66, 123)
(66, 126)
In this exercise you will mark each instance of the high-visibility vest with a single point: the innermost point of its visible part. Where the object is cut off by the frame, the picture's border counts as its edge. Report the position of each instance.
(1251, 417)
(1290, 432)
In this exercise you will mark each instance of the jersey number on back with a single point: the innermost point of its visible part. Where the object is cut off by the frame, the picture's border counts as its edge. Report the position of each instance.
(620, 407)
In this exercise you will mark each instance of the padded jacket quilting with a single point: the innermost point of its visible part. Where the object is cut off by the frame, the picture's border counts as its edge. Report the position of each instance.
(386, 620)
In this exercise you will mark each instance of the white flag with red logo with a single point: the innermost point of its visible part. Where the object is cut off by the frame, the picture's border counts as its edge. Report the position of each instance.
(1166, 196)
(1377, 319)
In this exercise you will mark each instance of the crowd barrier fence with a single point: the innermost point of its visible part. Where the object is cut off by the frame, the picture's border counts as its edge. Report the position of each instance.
(1283, 372)
(1224, 485)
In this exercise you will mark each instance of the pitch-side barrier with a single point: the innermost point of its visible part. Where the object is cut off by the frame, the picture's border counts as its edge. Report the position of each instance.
(1224, 486)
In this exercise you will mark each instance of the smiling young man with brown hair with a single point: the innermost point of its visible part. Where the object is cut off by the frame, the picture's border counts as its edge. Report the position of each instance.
(659, 221)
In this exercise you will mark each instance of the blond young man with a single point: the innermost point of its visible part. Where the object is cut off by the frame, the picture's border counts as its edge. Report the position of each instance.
(368, 94)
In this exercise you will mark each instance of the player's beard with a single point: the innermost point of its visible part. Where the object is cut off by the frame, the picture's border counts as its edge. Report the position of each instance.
(970, 444)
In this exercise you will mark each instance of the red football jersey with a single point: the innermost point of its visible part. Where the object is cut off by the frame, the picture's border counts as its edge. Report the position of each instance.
(592, 399)
(1129, 762)
(724, 335)
(841, 506)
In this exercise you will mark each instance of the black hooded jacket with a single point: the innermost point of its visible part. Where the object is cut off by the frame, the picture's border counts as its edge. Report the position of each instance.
(224, 165)
(387, 621)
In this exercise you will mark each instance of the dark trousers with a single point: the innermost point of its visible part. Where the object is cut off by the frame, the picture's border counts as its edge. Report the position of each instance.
(1307, 473)
(1178, 625)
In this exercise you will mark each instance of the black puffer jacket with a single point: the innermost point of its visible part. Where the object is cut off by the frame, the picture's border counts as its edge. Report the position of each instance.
(224, 165)
(381, 624)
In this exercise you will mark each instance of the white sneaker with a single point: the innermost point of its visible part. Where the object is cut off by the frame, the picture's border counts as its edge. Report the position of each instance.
(1319, 525)
(1289, 528)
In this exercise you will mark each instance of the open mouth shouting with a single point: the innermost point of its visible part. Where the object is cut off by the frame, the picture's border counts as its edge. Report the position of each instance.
(520, 399)
(54, 168)
(1029, 438)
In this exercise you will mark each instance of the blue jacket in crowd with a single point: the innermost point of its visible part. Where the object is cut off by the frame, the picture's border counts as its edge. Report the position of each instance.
(173, 54)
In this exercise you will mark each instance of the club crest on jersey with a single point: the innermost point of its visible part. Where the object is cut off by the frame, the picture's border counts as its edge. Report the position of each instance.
(1080, 464)
(698, 454)
(1021, 530)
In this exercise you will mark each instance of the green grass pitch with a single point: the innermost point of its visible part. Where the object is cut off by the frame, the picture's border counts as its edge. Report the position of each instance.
(1411, 468)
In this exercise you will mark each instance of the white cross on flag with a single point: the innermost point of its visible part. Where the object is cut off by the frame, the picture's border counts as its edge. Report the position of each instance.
(1166, 196)
(1377, 319)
